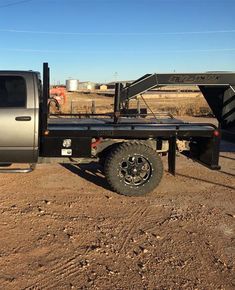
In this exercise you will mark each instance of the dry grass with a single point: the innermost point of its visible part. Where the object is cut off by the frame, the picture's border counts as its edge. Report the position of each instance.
(179, 104)
(191, 107)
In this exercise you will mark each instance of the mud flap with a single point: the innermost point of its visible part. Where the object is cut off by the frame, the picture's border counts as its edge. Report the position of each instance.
(206, 151)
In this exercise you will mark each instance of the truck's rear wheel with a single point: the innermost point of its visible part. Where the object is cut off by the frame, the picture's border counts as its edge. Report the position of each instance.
(133, 168)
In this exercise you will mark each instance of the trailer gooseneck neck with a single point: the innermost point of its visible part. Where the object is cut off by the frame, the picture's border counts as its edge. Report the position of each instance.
(217, 88)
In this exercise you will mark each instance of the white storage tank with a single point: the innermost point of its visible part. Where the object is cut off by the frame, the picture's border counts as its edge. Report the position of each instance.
(72, 85)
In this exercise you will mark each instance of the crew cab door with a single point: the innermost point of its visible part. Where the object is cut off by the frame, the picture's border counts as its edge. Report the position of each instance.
(17, 118)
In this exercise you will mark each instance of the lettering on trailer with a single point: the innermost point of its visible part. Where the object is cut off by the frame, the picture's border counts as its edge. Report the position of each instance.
(193, 79)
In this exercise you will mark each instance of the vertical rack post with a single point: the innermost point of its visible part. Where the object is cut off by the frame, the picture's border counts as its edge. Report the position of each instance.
(93, 107)
(117, 103)
(46, 85)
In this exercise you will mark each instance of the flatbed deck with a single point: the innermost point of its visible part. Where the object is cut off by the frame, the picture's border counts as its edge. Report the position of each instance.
(131, 127)
(122, 120)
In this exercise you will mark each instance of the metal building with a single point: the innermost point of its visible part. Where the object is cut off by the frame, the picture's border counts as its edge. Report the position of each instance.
(103, 88)
(86, 86)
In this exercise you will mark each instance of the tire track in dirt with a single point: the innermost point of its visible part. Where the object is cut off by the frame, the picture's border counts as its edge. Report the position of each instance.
(4, 282)
(60, 272)
(127, 230)
(74, 265)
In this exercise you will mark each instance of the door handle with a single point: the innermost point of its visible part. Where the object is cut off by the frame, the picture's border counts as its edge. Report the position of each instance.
(23, 118)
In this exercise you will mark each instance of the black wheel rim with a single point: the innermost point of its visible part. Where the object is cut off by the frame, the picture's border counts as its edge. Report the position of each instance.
(135, 170)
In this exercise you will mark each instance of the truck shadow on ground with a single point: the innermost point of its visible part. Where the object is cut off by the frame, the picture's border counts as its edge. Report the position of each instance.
(227, 173)
(226, 146)
(94, 173)
(226, 157)
(91, 172)
(207, 181)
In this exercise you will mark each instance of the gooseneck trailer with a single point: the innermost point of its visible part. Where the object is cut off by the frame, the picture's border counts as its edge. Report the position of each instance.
(125, 142)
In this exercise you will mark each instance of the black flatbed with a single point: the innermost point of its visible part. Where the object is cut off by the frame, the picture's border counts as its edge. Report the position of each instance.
(128, 127)
(122, 120)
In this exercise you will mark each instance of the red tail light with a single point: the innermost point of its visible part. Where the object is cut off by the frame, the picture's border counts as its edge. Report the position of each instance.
(216, 133)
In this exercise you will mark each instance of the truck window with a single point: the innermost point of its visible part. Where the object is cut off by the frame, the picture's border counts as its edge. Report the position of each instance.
(13, 91)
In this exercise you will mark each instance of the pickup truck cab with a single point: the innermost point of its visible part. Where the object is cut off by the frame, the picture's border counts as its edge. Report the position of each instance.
(19, 116)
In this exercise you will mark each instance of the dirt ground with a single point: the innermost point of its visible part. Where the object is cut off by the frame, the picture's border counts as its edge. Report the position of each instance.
(62, 228)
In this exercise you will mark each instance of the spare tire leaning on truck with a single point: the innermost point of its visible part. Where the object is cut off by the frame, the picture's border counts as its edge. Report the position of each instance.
(133, 168)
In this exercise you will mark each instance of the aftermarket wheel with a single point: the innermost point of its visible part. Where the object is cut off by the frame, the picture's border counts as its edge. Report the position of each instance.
(133, 168)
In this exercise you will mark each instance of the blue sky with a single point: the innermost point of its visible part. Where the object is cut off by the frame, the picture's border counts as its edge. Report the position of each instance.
(94, 39)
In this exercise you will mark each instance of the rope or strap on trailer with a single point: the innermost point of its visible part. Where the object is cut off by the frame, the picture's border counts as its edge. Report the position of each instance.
(150, 109)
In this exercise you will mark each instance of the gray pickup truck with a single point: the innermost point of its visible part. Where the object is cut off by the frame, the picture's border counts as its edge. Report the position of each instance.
(126, 142)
